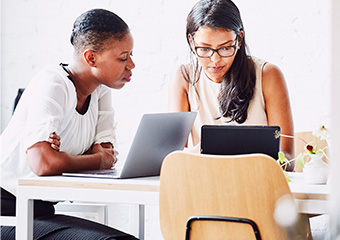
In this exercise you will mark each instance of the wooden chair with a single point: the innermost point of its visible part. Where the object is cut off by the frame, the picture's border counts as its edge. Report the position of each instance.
(299, 145)
(242, 187)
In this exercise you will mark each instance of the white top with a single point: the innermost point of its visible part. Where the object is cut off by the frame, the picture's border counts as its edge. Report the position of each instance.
(49, 104)
(208, 108)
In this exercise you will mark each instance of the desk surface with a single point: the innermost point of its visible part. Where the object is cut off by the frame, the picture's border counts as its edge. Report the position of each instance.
(139, 184)
(298, 187)
(302, 190)
(297, 182)
(310, 199)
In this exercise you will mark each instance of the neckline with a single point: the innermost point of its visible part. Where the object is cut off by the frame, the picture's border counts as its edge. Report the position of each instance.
(209, 80)
(88, 99)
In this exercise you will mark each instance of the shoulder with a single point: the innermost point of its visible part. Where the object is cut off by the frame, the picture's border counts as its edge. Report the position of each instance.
(51, 83)
(259, 63)
(52, 76)
(273, 82)
(181, 76)
(52, 71)
(271, 70)
(272, 76)
(182, 72)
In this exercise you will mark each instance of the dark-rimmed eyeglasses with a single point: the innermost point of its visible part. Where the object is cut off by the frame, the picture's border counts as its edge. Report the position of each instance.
(225, 52)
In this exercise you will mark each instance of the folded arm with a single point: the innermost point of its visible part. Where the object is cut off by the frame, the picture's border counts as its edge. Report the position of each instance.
(45, 160)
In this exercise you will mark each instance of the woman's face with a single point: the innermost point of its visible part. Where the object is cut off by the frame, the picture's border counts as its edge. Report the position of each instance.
(114, 64)
(215, 66)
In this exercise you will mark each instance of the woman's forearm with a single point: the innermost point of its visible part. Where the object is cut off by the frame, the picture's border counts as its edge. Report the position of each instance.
(43, 160)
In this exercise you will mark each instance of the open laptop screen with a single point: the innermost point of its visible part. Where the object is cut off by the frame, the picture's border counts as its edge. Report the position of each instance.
(232, 140)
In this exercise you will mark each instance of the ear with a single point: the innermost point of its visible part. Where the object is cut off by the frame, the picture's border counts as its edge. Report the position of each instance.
(90, 57)
(191, 41)
(241, 34)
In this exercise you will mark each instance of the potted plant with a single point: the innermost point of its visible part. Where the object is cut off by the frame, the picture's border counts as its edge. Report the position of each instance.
(315, 170)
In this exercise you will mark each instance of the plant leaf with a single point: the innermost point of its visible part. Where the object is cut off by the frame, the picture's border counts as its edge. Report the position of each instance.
(282, 157)
(301, 159)
(287, 177)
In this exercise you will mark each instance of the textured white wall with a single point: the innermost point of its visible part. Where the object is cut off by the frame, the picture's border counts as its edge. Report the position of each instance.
(335, 165)
(295, 35)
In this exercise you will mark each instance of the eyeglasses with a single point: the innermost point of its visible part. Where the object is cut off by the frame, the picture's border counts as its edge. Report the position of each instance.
(206, 52)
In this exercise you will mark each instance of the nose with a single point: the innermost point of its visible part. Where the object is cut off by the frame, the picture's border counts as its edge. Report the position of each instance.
(215, 57)
(131, 64)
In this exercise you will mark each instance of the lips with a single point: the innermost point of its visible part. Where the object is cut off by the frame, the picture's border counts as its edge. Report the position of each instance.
(127, 78)
(216, 68)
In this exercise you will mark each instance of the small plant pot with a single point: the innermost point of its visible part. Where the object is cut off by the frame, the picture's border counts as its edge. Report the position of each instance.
(316, 171)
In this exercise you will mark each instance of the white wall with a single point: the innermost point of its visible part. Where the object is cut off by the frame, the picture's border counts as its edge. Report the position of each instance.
(335, 169)
(295, 35)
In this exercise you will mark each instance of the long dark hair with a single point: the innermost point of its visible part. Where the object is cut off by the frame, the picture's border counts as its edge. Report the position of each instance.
(95, 27)
(238, 84)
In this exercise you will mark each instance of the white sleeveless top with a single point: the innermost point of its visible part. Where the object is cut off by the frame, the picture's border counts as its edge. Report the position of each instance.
(207, 104)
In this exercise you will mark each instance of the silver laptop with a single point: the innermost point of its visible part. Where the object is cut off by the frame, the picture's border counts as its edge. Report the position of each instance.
(157, 135)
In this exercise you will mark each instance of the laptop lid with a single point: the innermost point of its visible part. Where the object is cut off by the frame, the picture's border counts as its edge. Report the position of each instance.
(232, 140)
(157, 135)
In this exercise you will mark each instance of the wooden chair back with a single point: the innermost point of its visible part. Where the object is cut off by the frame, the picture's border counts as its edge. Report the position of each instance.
(239, 186)
(299, 145)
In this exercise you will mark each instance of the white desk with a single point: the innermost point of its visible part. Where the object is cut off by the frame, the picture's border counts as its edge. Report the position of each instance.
(140, 191)
(311, 199)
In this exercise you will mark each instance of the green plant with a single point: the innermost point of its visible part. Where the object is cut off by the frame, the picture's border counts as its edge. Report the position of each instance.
(310, 148)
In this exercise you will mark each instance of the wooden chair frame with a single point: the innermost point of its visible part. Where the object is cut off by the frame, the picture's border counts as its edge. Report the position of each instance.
(239, 186)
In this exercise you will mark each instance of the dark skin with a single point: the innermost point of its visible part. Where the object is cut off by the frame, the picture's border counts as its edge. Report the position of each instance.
(88, 69)
(43, 152)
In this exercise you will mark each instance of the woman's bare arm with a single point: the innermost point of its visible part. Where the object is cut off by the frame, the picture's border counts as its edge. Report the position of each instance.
(44, 160)
(278, 108)
(178, 93)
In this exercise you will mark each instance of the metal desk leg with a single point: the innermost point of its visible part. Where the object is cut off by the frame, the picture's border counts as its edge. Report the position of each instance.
(24, 212)
(141, 222)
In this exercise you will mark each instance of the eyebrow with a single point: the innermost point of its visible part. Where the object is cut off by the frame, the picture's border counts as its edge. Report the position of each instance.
(126, 52)
(219, 44)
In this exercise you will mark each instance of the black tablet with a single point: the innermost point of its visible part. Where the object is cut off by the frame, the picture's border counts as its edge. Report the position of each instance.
(240, 139)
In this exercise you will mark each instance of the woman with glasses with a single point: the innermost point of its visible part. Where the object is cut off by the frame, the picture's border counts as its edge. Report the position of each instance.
(223, 83)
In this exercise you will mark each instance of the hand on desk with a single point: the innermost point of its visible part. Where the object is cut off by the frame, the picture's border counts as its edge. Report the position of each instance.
(108, 155)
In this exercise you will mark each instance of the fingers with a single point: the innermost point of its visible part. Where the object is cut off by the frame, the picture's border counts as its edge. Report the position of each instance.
(115, 158)
(54, 136)
(55, 147)
(54, 140)
(108, 156)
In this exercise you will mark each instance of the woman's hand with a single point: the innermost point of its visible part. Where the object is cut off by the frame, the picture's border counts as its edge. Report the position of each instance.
(54, 141)
(108, 156)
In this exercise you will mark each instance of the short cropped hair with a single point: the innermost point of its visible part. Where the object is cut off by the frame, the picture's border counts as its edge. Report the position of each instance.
(96, 27)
